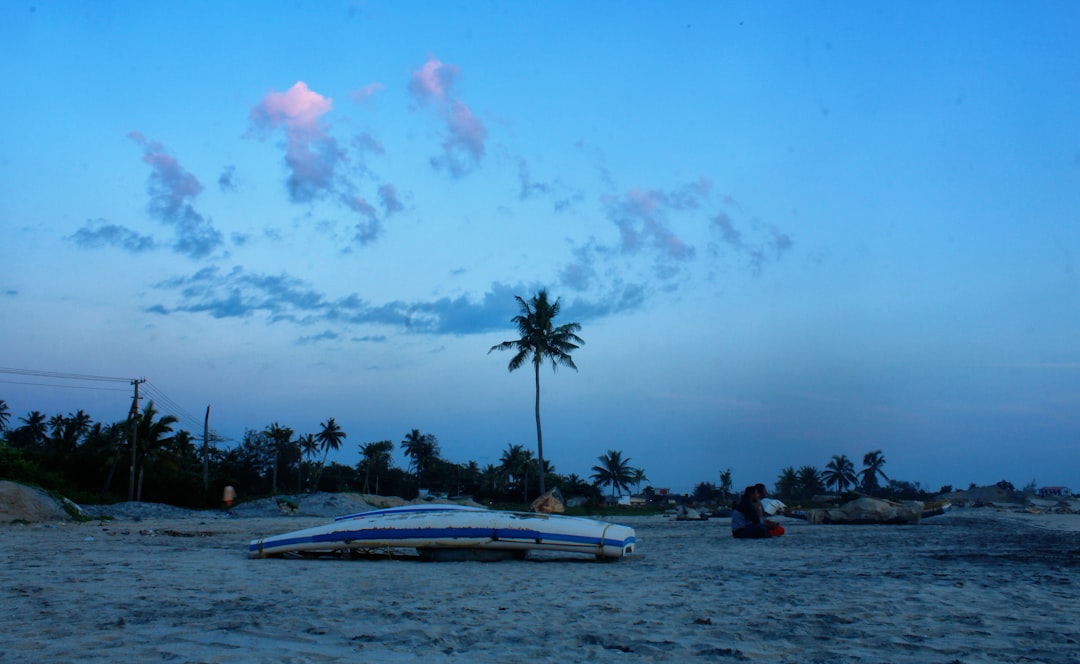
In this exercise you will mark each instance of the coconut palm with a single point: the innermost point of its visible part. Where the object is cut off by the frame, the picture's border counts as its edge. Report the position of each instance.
(872, 463)
(329, 438)
(375, 459)
(614, 471)
(280, 438)
(840, 473)
(725, 485)
(810, 483)
(152, 438)
(541, 340)
(639, 478)
(5, 415)
(422, 449)
(787, 484)
(515, 464)
(33, 433)
(309, 449)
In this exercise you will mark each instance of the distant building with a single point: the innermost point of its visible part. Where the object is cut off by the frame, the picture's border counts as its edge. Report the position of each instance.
(1048, 491)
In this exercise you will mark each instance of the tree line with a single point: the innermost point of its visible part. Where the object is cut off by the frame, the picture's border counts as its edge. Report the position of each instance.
(93, 462)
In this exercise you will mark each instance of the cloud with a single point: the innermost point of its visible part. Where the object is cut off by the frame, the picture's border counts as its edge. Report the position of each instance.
(97, 234)
(239, 293)
(464, 145)
(645, 220)
(369, 227)
(311, 155)
(767, 243)
(172, 193)
(641, 217)
(227, 180)
(433, 81)
(389, 199)
(327, 335)
(365, 94)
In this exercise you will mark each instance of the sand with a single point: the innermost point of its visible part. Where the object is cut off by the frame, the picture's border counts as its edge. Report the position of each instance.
(974, 585)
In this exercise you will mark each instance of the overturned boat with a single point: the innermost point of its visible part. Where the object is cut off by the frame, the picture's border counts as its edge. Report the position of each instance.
(452, 532)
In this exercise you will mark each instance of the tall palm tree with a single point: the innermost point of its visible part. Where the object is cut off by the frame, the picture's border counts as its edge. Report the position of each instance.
(541, 340)
(639, 478)
(614, 471)
(840, 473)
(375, 458)
(872, 463)
(422, 449)
(5, 415)
(329, 438)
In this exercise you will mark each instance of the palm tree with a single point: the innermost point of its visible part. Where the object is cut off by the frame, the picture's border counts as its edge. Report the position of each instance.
(787, 484)
(33, 432)
(840, 473)
(725, 485)
(375, 458)
(329, 439)
(152, 439)
(872, 463)
(639, 478)
(809, 481)
(309, 449)
(515, 464)
(5, 415)
(614, 471)
(280, 437)
(541, 340)
(422, 449)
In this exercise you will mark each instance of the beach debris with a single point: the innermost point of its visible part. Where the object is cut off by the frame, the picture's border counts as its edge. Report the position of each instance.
(685, 513)
(549, 503)
(866, 510)
(772, 506)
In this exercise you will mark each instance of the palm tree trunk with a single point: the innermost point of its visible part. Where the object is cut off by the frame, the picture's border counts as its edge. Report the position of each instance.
(539, 434)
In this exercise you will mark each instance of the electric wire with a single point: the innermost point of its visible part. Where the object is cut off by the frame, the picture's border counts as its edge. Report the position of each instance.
(155, 393)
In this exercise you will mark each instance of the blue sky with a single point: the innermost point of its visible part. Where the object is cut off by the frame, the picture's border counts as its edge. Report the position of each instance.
(788, 230)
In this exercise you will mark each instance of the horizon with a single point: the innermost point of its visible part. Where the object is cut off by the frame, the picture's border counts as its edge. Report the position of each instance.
(788, 232)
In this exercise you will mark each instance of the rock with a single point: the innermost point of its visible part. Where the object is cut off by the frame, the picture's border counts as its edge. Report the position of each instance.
(19, 502)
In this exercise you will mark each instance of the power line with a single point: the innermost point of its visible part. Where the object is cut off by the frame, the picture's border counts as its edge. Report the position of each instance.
(70, 387)
(59, 374)
(154, 392)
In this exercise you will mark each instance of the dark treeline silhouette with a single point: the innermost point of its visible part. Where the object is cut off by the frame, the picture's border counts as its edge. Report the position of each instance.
(93, 462)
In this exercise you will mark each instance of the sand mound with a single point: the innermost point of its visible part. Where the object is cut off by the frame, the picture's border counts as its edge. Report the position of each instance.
(22, 503)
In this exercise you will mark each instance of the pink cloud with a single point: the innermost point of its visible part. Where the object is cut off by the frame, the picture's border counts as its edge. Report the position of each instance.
(311, 155)
(298, 109)
(433, 80)
(466, 134)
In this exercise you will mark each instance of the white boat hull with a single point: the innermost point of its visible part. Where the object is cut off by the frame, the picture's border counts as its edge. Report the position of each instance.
(431, 528)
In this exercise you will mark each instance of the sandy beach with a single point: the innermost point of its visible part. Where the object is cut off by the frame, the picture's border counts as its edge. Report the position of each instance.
(974, 585)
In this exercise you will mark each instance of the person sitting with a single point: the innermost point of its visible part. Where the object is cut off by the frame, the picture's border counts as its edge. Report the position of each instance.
(748, 519)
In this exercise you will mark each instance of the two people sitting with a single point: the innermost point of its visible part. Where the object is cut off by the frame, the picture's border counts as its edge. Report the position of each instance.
(748, 517)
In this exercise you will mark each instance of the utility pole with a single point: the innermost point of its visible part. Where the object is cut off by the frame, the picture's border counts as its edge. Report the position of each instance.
(134, 417)
(206, 452)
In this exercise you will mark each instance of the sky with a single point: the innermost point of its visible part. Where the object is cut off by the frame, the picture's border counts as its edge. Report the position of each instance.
(788, 230)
